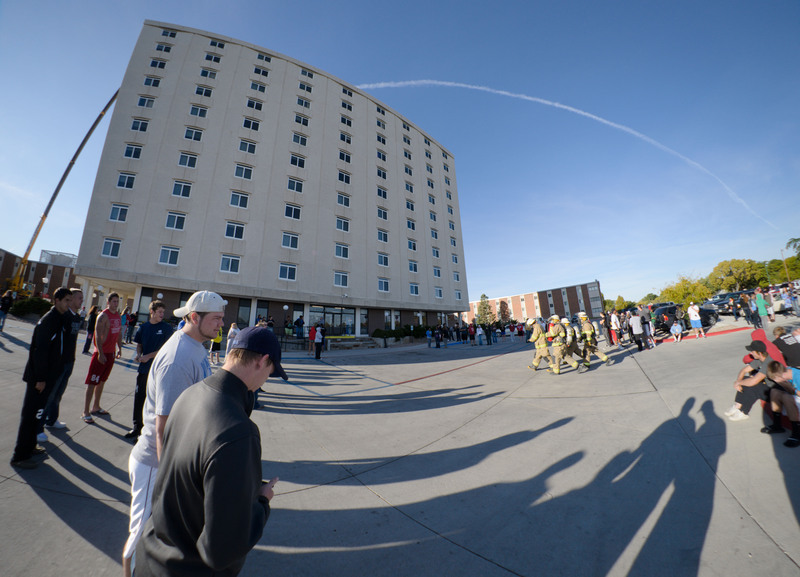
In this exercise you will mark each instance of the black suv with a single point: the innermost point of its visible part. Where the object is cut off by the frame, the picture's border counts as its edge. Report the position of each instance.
(708, 318)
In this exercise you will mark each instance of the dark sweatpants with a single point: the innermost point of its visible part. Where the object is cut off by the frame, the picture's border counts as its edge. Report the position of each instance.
(750, 395)
(32, 409)
(139, 397)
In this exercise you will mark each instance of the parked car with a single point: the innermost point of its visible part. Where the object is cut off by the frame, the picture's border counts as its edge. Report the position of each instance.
(725, 308)
(708, 317)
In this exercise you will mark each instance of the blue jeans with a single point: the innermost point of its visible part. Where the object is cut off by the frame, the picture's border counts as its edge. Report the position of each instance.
(2, 320)
(50, 414)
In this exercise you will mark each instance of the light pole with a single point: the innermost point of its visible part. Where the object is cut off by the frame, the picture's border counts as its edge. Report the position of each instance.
(46, 283)
(786, 268)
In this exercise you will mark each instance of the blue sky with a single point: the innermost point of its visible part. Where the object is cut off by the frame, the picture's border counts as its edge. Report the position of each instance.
(691, 154)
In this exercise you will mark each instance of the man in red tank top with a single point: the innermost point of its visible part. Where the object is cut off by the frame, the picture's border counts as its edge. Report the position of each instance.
(107, 339)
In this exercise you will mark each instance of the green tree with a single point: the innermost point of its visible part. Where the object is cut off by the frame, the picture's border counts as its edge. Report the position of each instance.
(686, 290)
(608, 304)
(735, 275)
(794, 244)
(621, 303)
(505, 314)
(649, 298)
(485, 314)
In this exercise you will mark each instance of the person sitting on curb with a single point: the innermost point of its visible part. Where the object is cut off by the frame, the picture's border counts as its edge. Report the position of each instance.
(783, 398)
(751, 383)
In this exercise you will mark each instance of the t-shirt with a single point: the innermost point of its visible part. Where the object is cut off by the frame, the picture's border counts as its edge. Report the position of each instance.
(761, 367)
(694, 313)
(152, 337)
(789, 348)
(72, 324)
(636, 325)
(179, 364)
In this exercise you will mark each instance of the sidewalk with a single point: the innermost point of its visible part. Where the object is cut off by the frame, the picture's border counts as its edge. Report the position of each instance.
(458, 461)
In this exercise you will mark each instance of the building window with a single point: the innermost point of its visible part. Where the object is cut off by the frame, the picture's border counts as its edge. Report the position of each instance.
(146, 102)
(153, 81)
(413, 266)
(409, 205)
(458, 295)
(452, 241)
(406, 140)
(234, 230)
(410, 224)
(428, 154)
(449, 209)
(447, 180)
(430, 183)
(347, 92)
(111, 247)
(202, 90)
(290, 240)
(383, 285)
(347, 106)
(160, 64)
(247, 146)
(303, 102)
(257, 86)
(168, 33)
(456, 276)
(305, 87)
(408, 170)
(344, 177)
(346, 121)
(182, 189)
(261, 71)
(437, 272)
(454, 258)
(412, 244)
(383, 236)
(301, 120)
(306, 73)
(139, 125)
(297, 160)
(381, 124)
(429, 168)
(217, 44)
(344, 137)
(383, 259)
(427, 142)
(437, 292)
(435, 252)
(446, 169)
(431, 199)
(169, 255)
(339, 278)
(451, 224)
(175, 221)
(199, 111)
(133, 151)
(381, 138)
(344, 156)
(342, 199)
(434, 234)
(208, 73)
(239, 199)
(119, 213)
(193, 134)
(292, 211)
(382, 192)
(380, 110)
(242, 171)
(406, 154)
(381, 155)
(381, 173)
(383, 214)
(444, 155)
(213, 58)
(342, 250)
(295, 185)
(448, 195)
(298, 138)
(254, 104)
(230, 263)
(409, 187)
(264, 57)
(342, 224)
(187, 160)
(125, 180)
(287, 271)
(432, 216)
(413, 289)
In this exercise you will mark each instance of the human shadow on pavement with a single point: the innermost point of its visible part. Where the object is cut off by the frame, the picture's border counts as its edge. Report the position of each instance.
(365, 404)
(789, 463)
(523, 527)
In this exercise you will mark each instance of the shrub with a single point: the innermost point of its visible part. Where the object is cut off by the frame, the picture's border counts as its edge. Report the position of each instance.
(33, 305)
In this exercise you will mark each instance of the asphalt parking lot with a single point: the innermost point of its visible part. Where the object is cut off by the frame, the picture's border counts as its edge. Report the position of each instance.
(457, 461)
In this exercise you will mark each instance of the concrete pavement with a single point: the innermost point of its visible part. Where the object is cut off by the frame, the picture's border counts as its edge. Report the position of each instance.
(457, 461)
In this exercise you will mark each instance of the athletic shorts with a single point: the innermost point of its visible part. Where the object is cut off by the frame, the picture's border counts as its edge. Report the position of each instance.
(215, 346)
(696, 324)
(98, 372)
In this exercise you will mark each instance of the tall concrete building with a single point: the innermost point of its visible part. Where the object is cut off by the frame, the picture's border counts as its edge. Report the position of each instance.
(232, 168)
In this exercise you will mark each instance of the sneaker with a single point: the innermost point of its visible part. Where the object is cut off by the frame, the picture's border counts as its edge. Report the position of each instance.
(132, 434)
(609, 362)
(57, 425)
(24, 464)
(739, 416)
(41, 437)
(772, 430)
(791, 442)
(582, 369)
(732, 410)
(38, 450)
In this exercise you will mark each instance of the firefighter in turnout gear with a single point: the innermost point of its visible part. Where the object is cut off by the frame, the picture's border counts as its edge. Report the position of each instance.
(559, 336)
(539, 338)
(590, 341)
(573, 337)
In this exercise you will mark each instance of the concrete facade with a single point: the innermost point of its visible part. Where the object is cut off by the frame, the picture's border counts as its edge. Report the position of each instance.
(232, 168)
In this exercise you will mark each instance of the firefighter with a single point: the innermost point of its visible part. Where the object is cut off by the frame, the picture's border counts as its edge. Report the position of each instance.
(559, 336)
(539, 338)
(590, 342)
(573, 339)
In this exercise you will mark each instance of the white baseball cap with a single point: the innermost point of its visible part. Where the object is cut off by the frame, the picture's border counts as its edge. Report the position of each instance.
(202, 302)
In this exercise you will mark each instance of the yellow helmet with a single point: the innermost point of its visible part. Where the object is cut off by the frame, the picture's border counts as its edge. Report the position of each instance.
(565, 321)
(582, 315)
(555, 318)
(530, 322)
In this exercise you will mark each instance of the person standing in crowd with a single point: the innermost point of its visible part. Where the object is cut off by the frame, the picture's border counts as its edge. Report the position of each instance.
(637, 330)
(616, 329)
(471, 332)
(429, 336)
(91, 320)
(479, 334)
(132, 320)
(298, 326)
(149, 339)
(72, 326)
(744, 302)
(45, 364)
(590, 342)
(318, 340)
(216, 345)
(680, 314)
(647, 326)
(761, 306)
(6, 302)
(210, 505)
(232, 332)
(271, 323)
(312, 336)
(107, 338)
(694, 319)
(734, 309)
(181, 362)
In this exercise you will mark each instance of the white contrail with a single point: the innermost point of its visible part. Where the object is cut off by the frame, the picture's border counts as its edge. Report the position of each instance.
(413, 83)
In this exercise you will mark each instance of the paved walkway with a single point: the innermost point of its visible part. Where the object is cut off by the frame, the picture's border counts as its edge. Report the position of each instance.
(457, 461)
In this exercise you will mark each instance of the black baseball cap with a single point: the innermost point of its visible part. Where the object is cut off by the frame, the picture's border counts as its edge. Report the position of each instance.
(757, 347)
(263, 341)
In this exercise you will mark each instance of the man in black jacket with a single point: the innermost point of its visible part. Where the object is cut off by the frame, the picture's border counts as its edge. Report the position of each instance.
(209, 502)
(45, 365)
